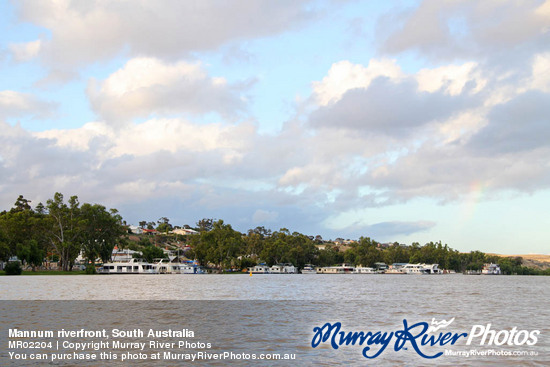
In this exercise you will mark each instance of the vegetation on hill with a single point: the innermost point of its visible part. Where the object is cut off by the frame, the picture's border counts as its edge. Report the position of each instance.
(59, 231)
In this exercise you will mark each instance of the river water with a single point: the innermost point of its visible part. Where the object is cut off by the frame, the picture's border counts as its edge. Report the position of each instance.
(262, 314)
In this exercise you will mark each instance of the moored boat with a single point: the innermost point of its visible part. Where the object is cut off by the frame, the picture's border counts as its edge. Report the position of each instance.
(396, 268)
(282, 269)
(340, 269)
(414, 269)
(491, 269)
(364, 270)
(309, 269)
(259, 269)
(134, 266)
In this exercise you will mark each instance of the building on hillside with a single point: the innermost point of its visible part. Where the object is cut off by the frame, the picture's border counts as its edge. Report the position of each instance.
(123, 255)
(135, 230)
(150, 231)
(184, 231)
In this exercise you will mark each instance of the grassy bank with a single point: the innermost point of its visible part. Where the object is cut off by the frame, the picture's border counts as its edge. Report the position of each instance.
(48, 272)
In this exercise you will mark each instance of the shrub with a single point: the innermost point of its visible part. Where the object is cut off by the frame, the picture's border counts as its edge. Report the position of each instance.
(13, 268)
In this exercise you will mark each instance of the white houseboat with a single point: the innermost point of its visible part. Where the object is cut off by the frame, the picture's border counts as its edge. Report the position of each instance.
(432, 269)
(491, 269)
(259, 269)
(134, 266)
(188, 267)
(191, 267)
(309, 269)
(414, 269)
(396, 268)
(364, 270)
(341, 269)
(164, 266)
(282, 269)
(421, 269)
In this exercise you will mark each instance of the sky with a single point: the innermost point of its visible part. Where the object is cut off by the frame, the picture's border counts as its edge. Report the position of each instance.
(407, 121)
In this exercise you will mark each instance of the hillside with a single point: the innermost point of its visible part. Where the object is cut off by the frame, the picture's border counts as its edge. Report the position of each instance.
(537, 261)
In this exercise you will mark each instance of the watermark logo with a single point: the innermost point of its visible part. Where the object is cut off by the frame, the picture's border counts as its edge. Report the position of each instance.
(421, 337)
(436, 325)
(487, 336)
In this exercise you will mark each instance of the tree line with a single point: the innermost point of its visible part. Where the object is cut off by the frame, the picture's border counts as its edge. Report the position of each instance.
(60, 230)
(222, 246)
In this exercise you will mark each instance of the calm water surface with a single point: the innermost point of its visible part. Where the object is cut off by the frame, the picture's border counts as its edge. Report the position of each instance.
(277, 313)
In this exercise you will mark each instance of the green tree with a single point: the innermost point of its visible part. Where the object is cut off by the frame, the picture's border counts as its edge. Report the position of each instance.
(64, 229)
(21, 233)
(164, 225)
(21, 204)
(205, 224)
(275, 249)
(224, 244)
(4, 251)
(221, 245)
(330, 256)
(13, 268)
(101, 230)
(31, 253)
(151, 253)
(396, 254)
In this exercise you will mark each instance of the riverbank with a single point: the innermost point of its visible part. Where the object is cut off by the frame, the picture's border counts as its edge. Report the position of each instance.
(47, 272)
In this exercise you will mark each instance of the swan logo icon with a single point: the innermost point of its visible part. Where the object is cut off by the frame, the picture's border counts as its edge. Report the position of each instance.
(436, 325)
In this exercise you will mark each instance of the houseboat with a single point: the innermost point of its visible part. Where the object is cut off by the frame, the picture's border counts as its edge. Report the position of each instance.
(396, 268)
(432, 269)
(491, 269)
(134, 266)
(309, 269)
(191, 267)
(167, 267)
(282, 269)
(364, 270)
(341, 269)
(259, 269)
(421, 269)
(415, 269)
(380, 267)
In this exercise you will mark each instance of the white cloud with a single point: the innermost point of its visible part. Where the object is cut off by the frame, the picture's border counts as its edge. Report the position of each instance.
(14, 104)
(153, 136)
(148, 86)
(401, 135)
(344, 76)
(452, 79)
(91, 31)
(540, 78)
(468, 28)
(468, 105)
(148, 72)
(25, 51)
